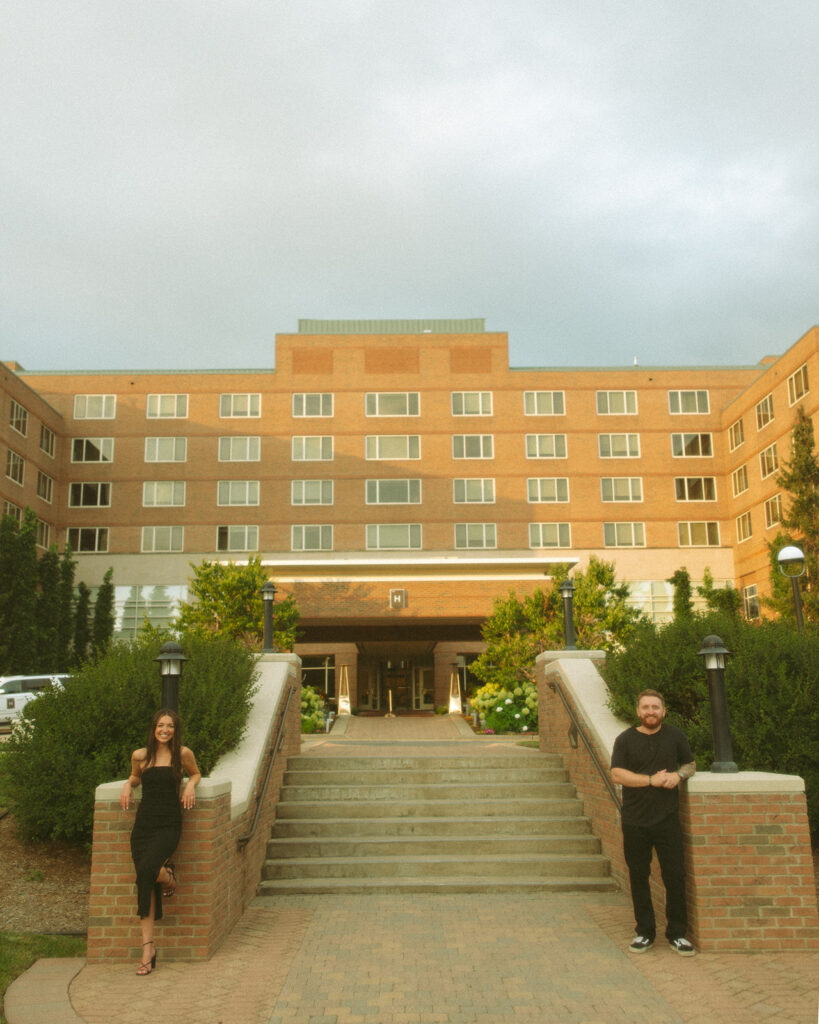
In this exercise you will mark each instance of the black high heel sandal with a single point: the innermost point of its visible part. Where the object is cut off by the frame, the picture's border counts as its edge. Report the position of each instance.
(141, 972)
(169, 887)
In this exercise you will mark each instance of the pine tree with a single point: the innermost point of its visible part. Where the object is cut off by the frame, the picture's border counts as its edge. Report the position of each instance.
(683, 604)
(82, 625)
(103, 623)
(65, 634)
(18, 584)
(48, 611)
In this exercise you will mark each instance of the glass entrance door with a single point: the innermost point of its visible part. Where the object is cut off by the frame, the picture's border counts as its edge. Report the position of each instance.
(423, 692)
(398, 682)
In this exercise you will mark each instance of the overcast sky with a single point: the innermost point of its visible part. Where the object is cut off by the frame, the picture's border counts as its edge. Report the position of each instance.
(182, 179)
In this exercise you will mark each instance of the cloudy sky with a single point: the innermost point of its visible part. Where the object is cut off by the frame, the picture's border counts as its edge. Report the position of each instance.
(604, 179)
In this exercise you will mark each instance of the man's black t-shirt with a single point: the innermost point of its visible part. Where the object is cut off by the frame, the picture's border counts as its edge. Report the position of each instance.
(647, 753)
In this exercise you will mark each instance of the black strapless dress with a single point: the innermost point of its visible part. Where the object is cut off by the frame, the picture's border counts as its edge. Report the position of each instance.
(155, 834)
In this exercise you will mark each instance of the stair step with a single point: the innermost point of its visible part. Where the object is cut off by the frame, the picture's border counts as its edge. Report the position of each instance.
(528, 759)
(418, 826)
(439, 884)
(356, 847)
(516, 773)
(465, 807)
(343, 792)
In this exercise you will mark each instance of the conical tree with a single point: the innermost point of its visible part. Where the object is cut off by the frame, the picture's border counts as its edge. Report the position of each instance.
(48, 611)
(65, 635)
(82, 625)
(103, 628)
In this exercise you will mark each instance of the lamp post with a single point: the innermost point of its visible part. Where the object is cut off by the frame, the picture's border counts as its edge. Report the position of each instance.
(713, 653)
(567, 593)
(791, 561)
(268, 598)
(170, 661)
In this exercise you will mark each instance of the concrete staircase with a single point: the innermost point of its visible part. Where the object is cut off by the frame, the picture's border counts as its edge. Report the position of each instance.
(431, 824)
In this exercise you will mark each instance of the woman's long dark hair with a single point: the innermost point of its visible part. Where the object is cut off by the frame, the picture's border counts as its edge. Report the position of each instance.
(152, 745)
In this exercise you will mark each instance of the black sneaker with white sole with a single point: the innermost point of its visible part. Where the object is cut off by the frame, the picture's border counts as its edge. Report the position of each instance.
(682, 946)
(641, 944)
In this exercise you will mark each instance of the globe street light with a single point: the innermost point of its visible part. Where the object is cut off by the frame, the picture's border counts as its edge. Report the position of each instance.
(170, 661)
(268, 598)
(567, 593)
(713, 653)
(791, 561)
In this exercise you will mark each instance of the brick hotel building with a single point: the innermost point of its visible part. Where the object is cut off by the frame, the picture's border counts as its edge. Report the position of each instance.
(396, 476)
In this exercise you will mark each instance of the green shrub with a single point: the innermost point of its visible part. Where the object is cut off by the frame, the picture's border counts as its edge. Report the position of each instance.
(512, 709)
(71, 740)
(312, 710)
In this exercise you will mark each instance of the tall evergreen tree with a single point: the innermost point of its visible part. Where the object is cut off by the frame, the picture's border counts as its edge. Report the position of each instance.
(683, 604)
(103, 627)
(82, 625)
(65, 635)
(19, 579)
(48, 611)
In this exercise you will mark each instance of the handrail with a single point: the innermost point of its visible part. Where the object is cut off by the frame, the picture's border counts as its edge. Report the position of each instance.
(242, 841)
(580, 731)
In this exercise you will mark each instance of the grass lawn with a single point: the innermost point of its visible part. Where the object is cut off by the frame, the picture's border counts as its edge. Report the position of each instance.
(18, 952)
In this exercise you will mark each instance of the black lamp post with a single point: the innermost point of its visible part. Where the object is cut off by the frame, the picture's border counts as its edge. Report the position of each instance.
(791, 561)
(567, 593)
(170, 661)
(268, 598)
(713, 653)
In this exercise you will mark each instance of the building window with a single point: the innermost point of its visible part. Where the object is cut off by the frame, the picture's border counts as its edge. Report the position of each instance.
(750, 602)
(475, 535)
(393, 492)
(319, 671)
(621, 488)
(691, 446)
(618, 446)
(163, 492)
(166, 449)
(687, 402)
(48, 442)
(736, 435)
(162, 538)
(231, 406)
(698, 535)
(42, 534)
(92, 449)
(550, 535)
(545, 446)
(616, 403)
(392, 403)
(544, 403)
(89, 495)
(160, 407)
(311, 492)
(312, 404)
(764, 412)
(313, 449)
(10, 509)
(240, 449)
(237, 538)
(311, 538)
(798, 384)
(739, 481)
(45, 486)
(15, 466)
(95, 407)
(773, 511)
(18, 418)
(237, 492)
(624, 535)
(88, 539)
(392, 446)
(393, 536)
(555, 488)
(695, 488)
(744, 526)
(768, 461)
(480, 490)
(471, 403)
(473, 446)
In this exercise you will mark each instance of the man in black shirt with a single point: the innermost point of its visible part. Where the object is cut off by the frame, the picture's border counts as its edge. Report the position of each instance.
(650, 761)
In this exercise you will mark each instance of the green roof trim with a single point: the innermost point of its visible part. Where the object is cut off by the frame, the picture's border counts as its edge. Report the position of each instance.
(474, 326)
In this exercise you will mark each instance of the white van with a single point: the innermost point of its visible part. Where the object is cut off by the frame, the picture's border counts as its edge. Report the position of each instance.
(17, 691)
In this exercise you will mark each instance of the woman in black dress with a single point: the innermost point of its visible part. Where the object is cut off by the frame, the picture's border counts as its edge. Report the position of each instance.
(158, 767)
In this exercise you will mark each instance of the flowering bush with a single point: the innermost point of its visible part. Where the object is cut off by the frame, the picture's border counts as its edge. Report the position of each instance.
(312, 710)
(507, 710)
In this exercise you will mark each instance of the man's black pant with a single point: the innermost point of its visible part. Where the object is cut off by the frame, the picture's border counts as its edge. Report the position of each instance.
(666, 838)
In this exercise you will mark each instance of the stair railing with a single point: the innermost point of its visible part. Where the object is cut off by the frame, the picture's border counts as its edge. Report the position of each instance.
(242, 841)
(576, 729)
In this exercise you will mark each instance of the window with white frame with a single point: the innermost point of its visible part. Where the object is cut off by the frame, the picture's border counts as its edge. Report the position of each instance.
(550, 535)
(10, 509)
(237, 538)
(624, 535)
(392, 446)
(48, 441)
(698, 535)
(311, 492)
(311, 537)
(478, 490)
(166, 449)
(691, 446)
(42, 533)
(475, 535)
(89, 495)
(393, 492)
(45, 486)
(736, 434)
(317, 448)
(544, 403)
(95, 407)
(618, 446)
(744, 526)
(687, 402)
(232, 406)
(166, 407)
(695, 488)
(621, 488)
(750, 601)
(773, 511)
(739, 480)
(92, 449)
(471, 403)
(549, 488)
(616, 403)
(88, 539)
(237, 492)
(160, 539)
(312, 403)
(240, 449)
(798, 384)
(392, 403)
(163, 492)
(545, 446)
(393, 536)
(18, 418)
(768, 461)
(473, 446)
(764, 412)
(15, 466)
